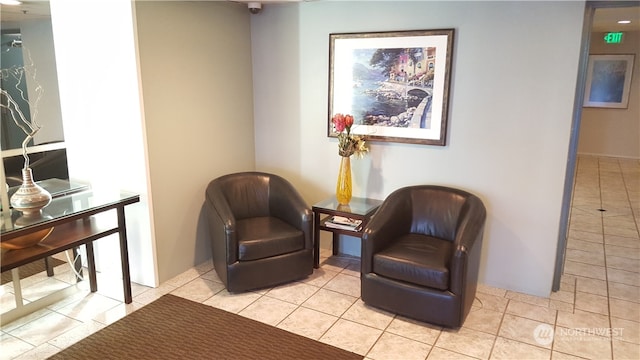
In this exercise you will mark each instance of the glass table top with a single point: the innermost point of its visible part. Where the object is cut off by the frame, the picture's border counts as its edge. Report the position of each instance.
(75, 205)
(357, 206)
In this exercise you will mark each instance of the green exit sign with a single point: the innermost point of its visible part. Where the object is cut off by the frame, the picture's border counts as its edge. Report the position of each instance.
(613, 37)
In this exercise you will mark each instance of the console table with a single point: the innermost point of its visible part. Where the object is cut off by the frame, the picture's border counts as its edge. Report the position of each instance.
(357, 209)
(77, 219)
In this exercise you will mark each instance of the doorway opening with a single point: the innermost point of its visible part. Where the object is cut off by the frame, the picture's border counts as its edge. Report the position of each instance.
(591, 7)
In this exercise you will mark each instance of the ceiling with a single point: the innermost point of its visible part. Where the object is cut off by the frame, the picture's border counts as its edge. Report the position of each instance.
(605, 19)
(11, 15)
(38, 9)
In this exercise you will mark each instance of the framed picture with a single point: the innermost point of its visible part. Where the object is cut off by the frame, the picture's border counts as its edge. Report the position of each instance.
(608, 81)
(394, 84)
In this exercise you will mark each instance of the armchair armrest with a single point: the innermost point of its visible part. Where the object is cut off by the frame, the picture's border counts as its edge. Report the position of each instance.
(286, 203)
(468, 243)
(222, 224)
(392, 220)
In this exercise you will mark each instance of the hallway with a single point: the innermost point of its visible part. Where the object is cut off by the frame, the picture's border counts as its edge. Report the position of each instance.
(602, 263)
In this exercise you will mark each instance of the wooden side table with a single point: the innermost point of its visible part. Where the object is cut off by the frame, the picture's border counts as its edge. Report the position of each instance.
(358, 208)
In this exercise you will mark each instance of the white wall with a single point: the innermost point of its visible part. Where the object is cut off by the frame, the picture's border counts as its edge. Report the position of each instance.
(614, 132)
(195, 67)
(192, 72)
(100, 102)
(513, 83)
(276, 90)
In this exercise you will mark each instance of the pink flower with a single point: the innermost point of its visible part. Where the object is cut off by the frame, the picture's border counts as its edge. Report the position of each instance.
(348, 121)
(347, 143)
(338, 121)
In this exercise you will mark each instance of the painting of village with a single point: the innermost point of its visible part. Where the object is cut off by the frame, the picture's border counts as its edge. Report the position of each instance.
(393, 87)
(395, 84)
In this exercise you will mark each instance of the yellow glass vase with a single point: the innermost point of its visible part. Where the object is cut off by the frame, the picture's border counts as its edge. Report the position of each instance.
(343, 187)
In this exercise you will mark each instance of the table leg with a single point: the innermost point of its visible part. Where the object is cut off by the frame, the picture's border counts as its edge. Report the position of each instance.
(336, 244)
(48, 266)
(17, 289)
(91, 263)
(124, 256)
(316, 239)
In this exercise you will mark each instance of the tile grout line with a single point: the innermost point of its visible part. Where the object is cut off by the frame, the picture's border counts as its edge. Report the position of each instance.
(555, 321)
(633, 214)
(493, 345)
(606, 273)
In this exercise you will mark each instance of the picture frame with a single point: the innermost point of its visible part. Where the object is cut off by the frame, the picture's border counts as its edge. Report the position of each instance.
(608, 81)
(395, 84)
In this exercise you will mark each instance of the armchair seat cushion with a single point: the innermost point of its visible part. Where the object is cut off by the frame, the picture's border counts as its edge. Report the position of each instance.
(417, 259)
(264, 237)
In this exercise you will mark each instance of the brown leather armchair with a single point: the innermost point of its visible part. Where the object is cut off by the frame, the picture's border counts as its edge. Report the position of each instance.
(260, 230)
(421, 254)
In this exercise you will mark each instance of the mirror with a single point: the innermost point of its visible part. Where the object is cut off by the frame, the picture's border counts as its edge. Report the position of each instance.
(12, 59)
(27, 60)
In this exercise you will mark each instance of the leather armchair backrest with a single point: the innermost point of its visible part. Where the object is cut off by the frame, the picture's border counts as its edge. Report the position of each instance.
(246, 193)
(436, 210)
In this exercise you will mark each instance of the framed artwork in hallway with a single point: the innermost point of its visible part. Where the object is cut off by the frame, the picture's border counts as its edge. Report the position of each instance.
(395, 84)
(608, 81)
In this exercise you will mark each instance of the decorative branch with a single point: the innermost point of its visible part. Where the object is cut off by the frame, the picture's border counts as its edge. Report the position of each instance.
(29, 127)
(23, 124)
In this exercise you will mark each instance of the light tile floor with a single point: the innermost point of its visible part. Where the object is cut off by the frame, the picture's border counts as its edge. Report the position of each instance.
(595, 315)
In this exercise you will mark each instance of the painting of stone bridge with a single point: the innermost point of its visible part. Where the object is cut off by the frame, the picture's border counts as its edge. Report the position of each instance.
(394, 84)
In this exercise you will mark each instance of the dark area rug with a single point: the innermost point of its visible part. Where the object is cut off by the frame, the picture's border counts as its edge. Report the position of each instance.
(29, 269)
(175, 328)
